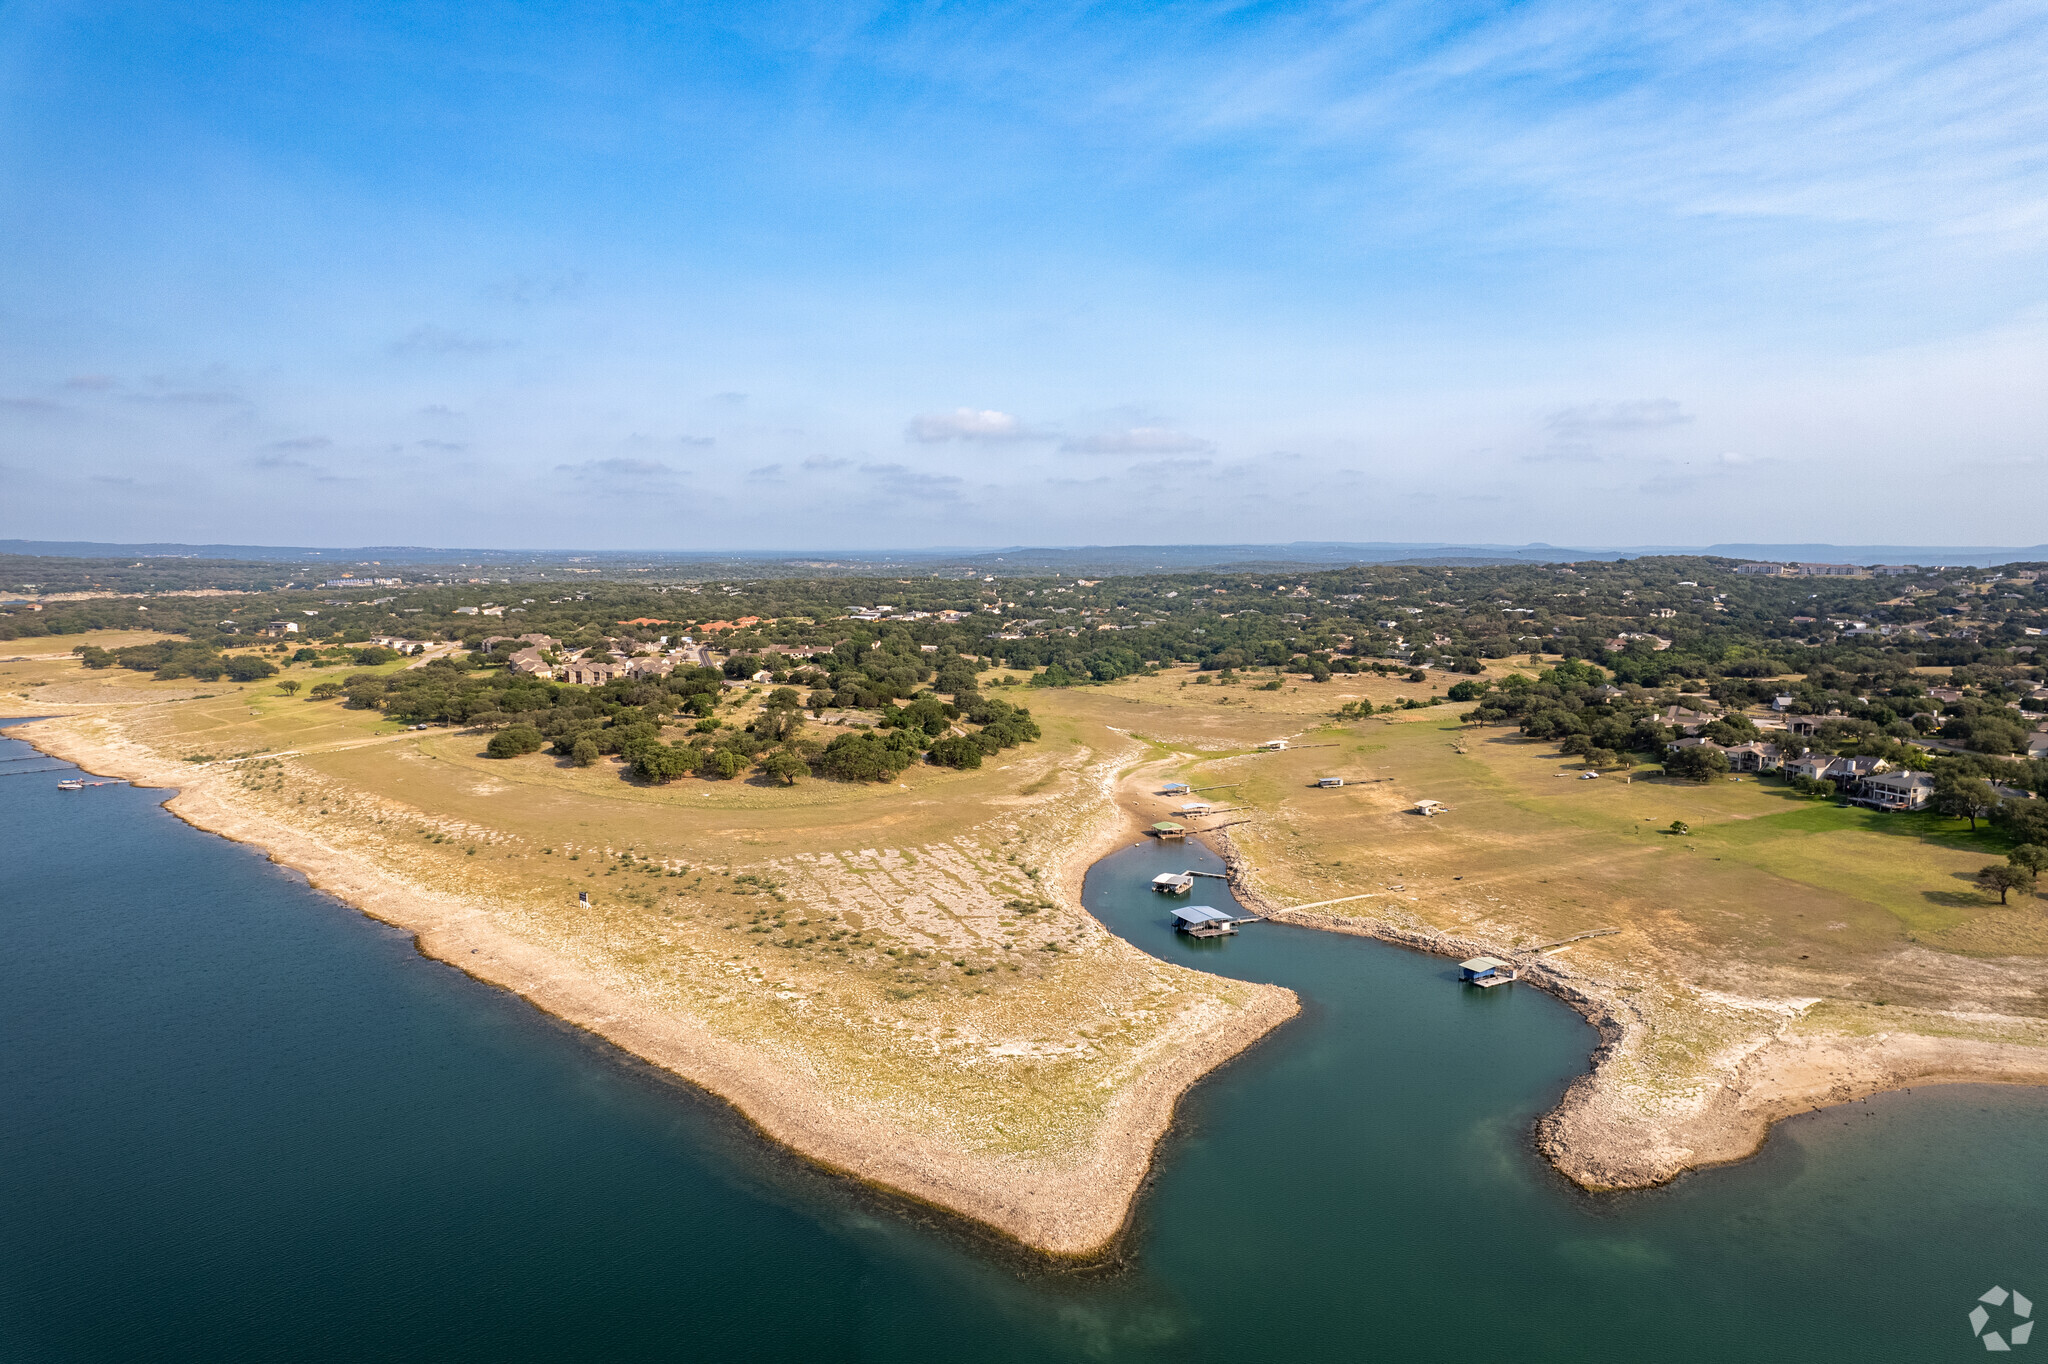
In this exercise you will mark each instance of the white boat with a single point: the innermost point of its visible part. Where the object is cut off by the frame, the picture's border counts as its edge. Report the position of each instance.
(70, 786)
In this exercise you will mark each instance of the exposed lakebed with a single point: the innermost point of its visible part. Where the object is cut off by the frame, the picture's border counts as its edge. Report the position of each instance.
(243, 1122)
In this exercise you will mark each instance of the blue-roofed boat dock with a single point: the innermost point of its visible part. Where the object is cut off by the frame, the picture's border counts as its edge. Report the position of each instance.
(1201, 921)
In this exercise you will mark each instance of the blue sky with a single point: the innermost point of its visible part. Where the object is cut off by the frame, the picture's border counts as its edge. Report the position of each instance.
(859, 276)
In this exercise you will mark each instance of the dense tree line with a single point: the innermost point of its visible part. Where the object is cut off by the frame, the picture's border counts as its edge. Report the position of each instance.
(168, 659)
(1657, 623)
(1612, 725)
(627, 717)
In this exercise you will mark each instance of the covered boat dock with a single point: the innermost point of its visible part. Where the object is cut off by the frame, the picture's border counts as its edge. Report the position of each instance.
(1200, 921)
(1487, 972)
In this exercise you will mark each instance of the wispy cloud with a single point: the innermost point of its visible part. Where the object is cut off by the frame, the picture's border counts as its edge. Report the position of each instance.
(1138, 440)
(1587, 433)
(544, 287)
(640, 440)
(1159, 468)
(1636, 414)
(618, 470)
(896, 480)
(431, 339)
(279, 461)
(1889, 111)
(970, 424)
(191, 397)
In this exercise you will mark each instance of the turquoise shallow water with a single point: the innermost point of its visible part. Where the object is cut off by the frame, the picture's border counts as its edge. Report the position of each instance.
(239, 1122)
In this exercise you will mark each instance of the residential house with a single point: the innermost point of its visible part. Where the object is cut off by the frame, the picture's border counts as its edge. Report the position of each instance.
(591, 673)
(1895, 791)
(1755, 756)
(539, 641)
(1845, 773)
(1680, 717)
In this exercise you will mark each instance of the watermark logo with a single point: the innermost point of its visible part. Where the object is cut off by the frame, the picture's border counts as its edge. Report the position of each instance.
(2015, 1325)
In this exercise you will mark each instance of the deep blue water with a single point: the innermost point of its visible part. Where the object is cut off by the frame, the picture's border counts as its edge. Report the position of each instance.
(239, 1121)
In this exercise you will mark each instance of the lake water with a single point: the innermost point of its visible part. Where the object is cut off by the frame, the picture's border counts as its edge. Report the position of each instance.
(239, 1121)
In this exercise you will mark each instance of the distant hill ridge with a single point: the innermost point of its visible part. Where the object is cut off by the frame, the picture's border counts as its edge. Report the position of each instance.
(1070, 558)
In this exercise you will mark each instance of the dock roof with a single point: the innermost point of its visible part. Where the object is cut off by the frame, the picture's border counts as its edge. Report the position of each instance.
(1482, 964)
(1200, 914)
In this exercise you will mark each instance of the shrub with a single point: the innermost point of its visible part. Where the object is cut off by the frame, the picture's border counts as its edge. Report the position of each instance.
(1701, 764)
(786, 767)
(721, 764)
(874, 755)
(656, 762)
(514, 741)
(955, 751)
